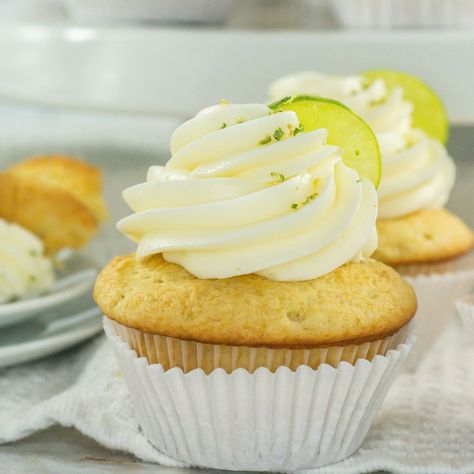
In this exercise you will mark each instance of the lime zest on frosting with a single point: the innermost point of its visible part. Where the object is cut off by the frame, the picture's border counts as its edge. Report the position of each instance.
(298, 129)
(308, 199)
(278, 134)
(311, 197)
(279, 178)
(265, 141)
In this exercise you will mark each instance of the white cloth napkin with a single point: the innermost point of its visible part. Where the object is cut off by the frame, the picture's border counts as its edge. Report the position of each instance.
(426, 424)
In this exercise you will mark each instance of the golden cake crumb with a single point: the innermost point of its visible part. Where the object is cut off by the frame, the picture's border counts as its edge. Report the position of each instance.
(426, 236)
(357, 302)
(56, 197)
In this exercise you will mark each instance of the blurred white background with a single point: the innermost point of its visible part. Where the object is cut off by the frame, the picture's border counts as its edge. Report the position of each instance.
(108, 80)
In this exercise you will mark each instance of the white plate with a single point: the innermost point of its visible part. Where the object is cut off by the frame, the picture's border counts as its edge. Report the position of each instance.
(76, 277)
(50, 332)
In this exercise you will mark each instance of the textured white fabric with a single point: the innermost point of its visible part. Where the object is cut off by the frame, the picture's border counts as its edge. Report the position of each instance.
(426, 424)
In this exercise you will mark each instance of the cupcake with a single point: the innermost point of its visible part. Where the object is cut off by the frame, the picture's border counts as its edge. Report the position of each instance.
(24, 269)
(417, 235)
(57, 198)
(253, 329)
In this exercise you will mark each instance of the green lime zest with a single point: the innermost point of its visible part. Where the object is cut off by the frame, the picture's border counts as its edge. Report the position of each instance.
(265, 141)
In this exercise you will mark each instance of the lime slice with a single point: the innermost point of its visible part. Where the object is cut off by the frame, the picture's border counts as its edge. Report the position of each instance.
(359, 147)
(429, 113)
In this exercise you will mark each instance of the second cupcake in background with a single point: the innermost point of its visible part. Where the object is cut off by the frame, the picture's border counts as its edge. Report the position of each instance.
(254, 331)
(57, 197)
(417, 235)
(48, 203)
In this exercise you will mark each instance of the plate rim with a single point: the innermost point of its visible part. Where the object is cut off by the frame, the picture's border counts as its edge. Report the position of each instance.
(50, 345)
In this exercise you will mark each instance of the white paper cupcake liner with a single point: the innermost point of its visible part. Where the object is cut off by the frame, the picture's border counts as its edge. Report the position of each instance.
(436, 294)
(465, 307)
(402, 13)
(463, 264)
(188, 355)
(281, 420)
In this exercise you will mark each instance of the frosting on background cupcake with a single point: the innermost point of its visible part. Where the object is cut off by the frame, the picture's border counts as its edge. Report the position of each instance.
(23, 267)
(417, 170)
(245, 192)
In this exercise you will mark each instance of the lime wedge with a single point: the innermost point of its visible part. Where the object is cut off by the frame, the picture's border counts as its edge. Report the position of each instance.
(359, 147)
(429, 113)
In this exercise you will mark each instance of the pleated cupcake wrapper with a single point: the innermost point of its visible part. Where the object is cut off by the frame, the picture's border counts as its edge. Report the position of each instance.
(465, 307)
(436, 294)
(278, 421)
(393, 13)
(188, 355)
(463, 264)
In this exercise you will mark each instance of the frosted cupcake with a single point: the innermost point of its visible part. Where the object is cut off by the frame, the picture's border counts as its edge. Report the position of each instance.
(417, 235)
(47, 203)
(58, 198)
(251, 306)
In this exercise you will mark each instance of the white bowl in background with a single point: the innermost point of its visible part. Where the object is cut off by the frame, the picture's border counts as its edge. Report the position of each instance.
(174, 72)
(165, 11)
(404, 13)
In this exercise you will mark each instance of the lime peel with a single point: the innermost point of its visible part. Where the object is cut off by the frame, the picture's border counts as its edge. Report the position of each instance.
(358, 145)
(429, 113)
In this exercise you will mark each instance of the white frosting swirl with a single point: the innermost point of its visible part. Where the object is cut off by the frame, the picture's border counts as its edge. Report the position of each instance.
(243, 194)
(24, 269)
(417, 171)
(418, 177)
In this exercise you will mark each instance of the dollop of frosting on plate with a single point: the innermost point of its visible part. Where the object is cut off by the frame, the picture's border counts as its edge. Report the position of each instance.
(244, 192)
(417, 172)
(24, 270)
